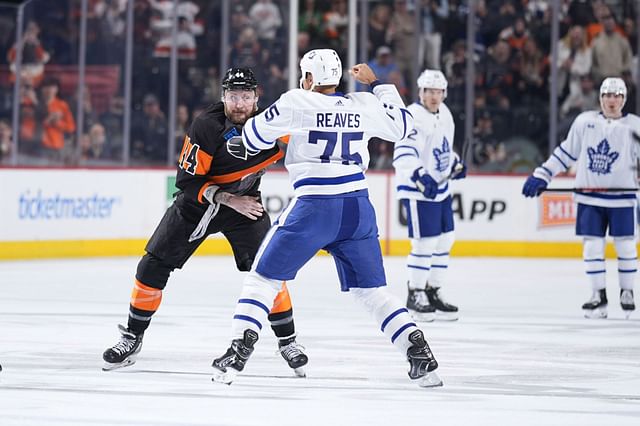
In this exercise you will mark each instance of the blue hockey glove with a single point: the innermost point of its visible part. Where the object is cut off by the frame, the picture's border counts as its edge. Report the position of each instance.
(459, 170)
(533, 186)
(425, 183)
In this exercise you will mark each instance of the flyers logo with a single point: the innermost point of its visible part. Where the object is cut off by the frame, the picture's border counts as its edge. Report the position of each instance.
(236, 148)
(556, 210)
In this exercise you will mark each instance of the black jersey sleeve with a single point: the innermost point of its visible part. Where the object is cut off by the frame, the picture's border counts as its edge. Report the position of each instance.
(194, 162)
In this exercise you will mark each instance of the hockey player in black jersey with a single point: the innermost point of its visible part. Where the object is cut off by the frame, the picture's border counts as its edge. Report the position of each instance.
(219, 192)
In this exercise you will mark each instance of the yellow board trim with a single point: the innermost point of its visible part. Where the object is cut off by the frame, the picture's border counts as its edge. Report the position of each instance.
(16, 250)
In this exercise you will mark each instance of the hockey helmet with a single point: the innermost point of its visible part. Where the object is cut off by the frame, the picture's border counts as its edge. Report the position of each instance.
(324, 65)
(614, 85)
(433, 79)
(239, 79)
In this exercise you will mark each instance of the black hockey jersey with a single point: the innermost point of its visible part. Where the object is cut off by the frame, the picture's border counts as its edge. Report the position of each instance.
(213, 154)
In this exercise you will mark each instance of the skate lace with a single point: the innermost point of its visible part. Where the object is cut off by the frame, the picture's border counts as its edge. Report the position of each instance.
(420, 298)
(124, 345)
(626, 297)
(292, 350)
(438, 296)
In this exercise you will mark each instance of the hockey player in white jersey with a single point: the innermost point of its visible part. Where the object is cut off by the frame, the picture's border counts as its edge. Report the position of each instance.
(424, 163)
(326, 158)
(602, 145)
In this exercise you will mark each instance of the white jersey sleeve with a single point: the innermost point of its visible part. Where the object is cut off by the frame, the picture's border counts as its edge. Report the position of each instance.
(260, 132)
(605, 155)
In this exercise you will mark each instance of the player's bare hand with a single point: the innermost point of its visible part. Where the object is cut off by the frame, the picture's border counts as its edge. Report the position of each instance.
(363, 73)
(246, 205)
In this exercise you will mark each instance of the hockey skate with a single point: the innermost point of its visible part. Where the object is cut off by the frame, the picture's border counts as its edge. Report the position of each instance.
(627, 303)
(596, 307)
(422, 363)
(418, 305)
(227, 367)
(444, 311)
(123, 353)
(293, 353)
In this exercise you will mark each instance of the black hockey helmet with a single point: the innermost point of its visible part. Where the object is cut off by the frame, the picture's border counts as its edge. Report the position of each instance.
(239, 79)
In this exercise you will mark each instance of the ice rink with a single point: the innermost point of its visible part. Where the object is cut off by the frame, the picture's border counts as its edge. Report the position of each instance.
(521, 354)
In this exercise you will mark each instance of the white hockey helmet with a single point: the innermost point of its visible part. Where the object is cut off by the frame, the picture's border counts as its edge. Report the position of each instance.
(324, 65)
(433, 79)
(614, 85)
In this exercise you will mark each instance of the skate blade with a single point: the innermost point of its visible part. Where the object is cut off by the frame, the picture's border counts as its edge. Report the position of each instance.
(300, 372)
(627, 313)
(446, 316)
(430, 380)
(108, 366)
(423, 317)
(224, 377)
(595, 313)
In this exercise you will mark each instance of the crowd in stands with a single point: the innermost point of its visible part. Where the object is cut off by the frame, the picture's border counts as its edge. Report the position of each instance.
(598, 38)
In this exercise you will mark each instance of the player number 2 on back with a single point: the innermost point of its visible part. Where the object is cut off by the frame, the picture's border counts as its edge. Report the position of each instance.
(331, 138)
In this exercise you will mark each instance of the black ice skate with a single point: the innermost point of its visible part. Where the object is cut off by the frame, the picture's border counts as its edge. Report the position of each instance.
(293, 353)
(124, 352)
(444, 311)
(418, 305)
(227, 367)
(626, 302)
(422, 363)
(596, 307)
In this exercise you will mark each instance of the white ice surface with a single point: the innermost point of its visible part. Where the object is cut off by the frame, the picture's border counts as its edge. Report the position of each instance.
(521, 354)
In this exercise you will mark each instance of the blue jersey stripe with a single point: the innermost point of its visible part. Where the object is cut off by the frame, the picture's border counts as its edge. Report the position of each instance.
(424, 268)
(255, 303)
(439, 266)
(627, 258)
(441, 254)
(566, 153)
(561, 162)
(627, 271)
(406, 188)
(419, 255)
(249, 319)
(602, 271)
(547, 170)
(406, 147)
(337, 180)
(255, 131)
(404, 155)
(594, 260)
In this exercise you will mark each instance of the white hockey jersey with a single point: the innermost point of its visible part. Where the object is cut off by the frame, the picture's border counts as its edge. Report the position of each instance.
(429, 145)
(605, 154)
(328, 135)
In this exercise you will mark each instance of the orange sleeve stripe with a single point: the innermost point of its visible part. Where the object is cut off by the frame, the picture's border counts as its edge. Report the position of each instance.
(282, 302)
(232, 177)
(201, 192)
(145, 297)
(204, 163)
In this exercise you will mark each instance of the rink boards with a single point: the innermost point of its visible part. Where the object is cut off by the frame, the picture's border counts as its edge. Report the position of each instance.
(77, 213)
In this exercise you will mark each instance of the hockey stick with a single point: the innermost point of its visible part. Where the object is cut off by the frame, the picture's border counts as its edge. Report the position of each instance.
(589, 190)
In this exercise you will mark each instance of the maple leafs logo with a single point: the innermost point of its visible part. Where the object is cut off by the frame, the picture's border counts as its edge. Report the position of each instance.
(601, 159)
(442, 155)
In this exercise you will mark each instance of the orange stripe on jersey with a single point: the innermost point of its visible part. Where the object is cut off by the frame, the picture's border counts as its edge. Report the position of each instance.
(145, 297)
(201, 192)
(282, 302)
(232, 177)
(284, 139)
(194, 160)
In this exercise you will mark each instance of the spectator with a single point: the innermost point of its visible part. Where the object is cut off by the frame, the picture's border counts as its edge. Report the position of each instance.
(533, 71)
(434, 14)
(149, 132)
(335, 23)
(185, 40)
(583, 100)
(239, 21)
(6, 145)
(516, 35)
(30, 135)
(58, 121)
(378, 23)
(574, 60)
(611, 51)
(382, 65)
(310, 21)
(94, 145)
(183, 121)
(401, 35)
(247, 51)
(33, 56)
(266, 20)
(112, 120)
(495, 74)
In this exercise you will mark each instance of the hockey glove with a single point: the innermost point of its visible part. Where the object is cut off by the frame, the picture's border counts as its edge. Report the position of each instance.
(459, 170)
(533, 186)
(425, 183)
